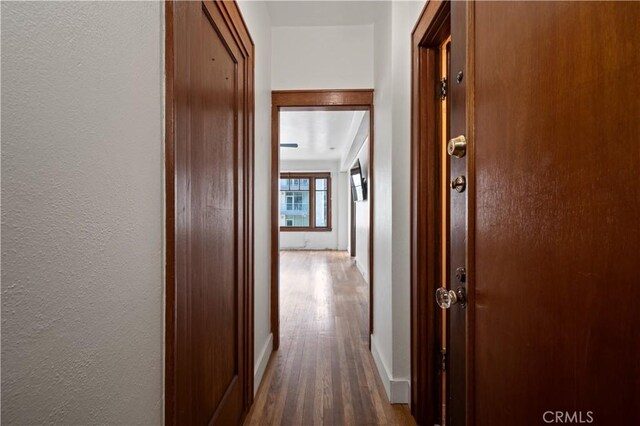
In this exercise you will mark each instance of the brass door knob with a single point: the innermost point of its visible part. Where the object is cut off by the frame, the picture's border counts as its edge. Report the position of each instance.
(459, 184)
(457, 147)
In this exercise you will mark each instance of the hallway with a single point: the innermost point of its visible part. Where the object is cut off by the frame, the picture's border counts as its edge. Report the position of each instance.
(320, 212)
(323, 372)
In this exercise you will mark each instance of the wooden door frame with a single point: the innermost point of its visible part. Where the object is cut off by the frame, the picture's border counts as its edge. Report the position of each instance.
(314, 100)
(432, 28)
(235, 22)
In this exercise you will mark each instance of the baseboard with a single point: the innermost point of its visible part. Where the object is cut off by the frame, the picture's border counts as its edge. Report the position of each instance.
(261, 363)
(397, 389)
(400, 392)
(362, 270)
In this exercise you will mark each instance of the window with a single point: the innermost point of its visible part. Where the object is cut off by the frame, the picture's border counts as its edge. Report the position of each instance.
(305, 202)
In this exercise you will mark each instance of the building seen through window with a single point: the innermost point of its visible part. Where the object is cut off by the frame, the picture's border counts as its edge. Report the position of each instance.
(305, 201)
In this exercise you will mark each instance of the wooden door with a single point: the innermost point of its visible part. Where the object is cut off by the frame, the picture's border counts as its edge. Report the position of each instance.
(209, 338)
(550, 103)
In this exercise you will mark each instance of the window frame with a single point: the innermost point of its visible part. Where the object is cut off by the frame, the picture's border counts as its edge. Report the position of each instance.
(312, 176)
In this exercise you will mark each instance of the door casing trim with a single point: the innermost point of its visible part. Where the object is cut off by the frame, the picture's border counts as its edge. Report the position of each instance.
(432, 28)
(313, 100)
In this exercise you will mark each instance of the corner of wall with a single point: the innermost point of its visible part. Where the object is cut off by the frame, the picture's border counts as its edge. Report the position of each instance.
(398, 390)
(261, 363)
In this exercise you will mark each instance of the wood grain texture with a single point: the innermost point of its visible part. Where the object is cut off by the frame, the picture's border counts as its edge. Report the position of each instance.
(313, 100)
(557, 158)
(323, 373)
(209, 169)
(432, 28)
(275, 225)
(347, 98)
(460, 245)
(169, 170)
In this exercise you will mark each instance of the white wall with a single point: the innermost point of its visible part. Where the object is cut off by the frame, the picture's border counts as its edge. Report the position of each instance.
(343, 210)
(404, 15)
(82, 227)
(337, 57)
(382, 338)
(256, 17)
(391, 336)
(362, 219)
(337, 238)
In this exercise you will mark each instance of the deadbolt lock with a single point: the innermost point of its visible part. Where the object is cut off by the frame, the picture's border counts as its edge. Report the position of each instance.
(459, 184)
(457, 147)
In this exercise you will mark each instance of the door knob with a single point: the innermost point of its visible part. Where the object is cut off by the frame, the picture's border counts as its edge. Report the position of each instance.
(447, 298)
(457, 147)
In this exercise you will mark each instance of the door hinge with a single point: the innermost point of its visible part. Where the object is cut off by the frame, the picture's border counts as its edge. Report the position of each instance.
(442, 89)
(443, 360)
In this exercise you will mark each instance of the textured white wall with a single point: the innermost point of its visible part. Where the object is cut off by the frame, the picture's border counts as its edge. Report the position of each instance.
(256, 17)
(338, 57)
(317, 240)
(82, 280)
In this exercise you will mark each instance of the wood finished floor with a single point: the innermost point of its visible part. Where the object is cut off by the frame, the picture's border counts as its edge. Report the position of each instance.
(323, 373)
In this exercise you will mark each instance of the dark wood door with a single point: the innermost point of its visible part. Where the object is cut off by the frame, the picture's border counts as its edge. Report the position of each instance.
(554, 202)
(458, 315)
(209, 380)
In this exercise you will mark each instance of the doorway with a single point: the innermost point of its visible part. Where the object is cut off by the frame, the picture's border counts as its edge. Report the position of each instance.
(309, 101)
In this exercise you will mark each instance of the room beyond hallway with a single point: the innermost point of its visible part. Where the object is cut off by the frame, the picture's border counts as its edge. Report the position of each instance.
(323, 372)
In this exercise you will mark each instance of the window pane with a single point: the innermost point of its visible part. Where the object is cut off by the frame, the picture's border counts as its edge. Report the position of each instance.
(296, 198)
(321, 208)
(321, 184)
(294, 208)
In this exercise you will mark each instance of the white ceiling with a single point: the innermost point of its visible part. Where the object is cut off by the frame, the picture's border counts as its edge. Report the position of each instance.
(316, 132)
(321, 13)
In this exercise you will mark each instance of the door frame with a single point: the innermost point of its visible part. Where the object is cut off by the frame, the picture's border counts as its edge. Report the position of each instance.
(424, 320)
(312, 100)
(233, 19)
(432, 28)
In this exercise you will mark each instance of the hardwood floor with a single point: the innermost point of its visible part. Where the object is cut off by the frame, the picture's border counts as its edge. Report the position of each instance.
(323, 372)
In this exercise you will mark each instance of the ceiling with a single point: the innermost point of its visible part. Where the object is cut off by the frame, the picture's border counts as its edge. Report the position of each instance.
(323, 13)
(316, 132)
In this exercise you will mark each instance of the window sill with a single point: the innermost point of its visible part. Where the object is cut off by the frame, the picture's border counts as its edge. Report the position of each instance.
(292, 229)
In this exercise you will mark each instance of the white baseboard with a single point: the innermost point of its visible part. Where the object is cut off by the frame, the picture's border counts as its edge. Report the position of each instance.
(362, 270)
(397, 389)
(261, 363)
